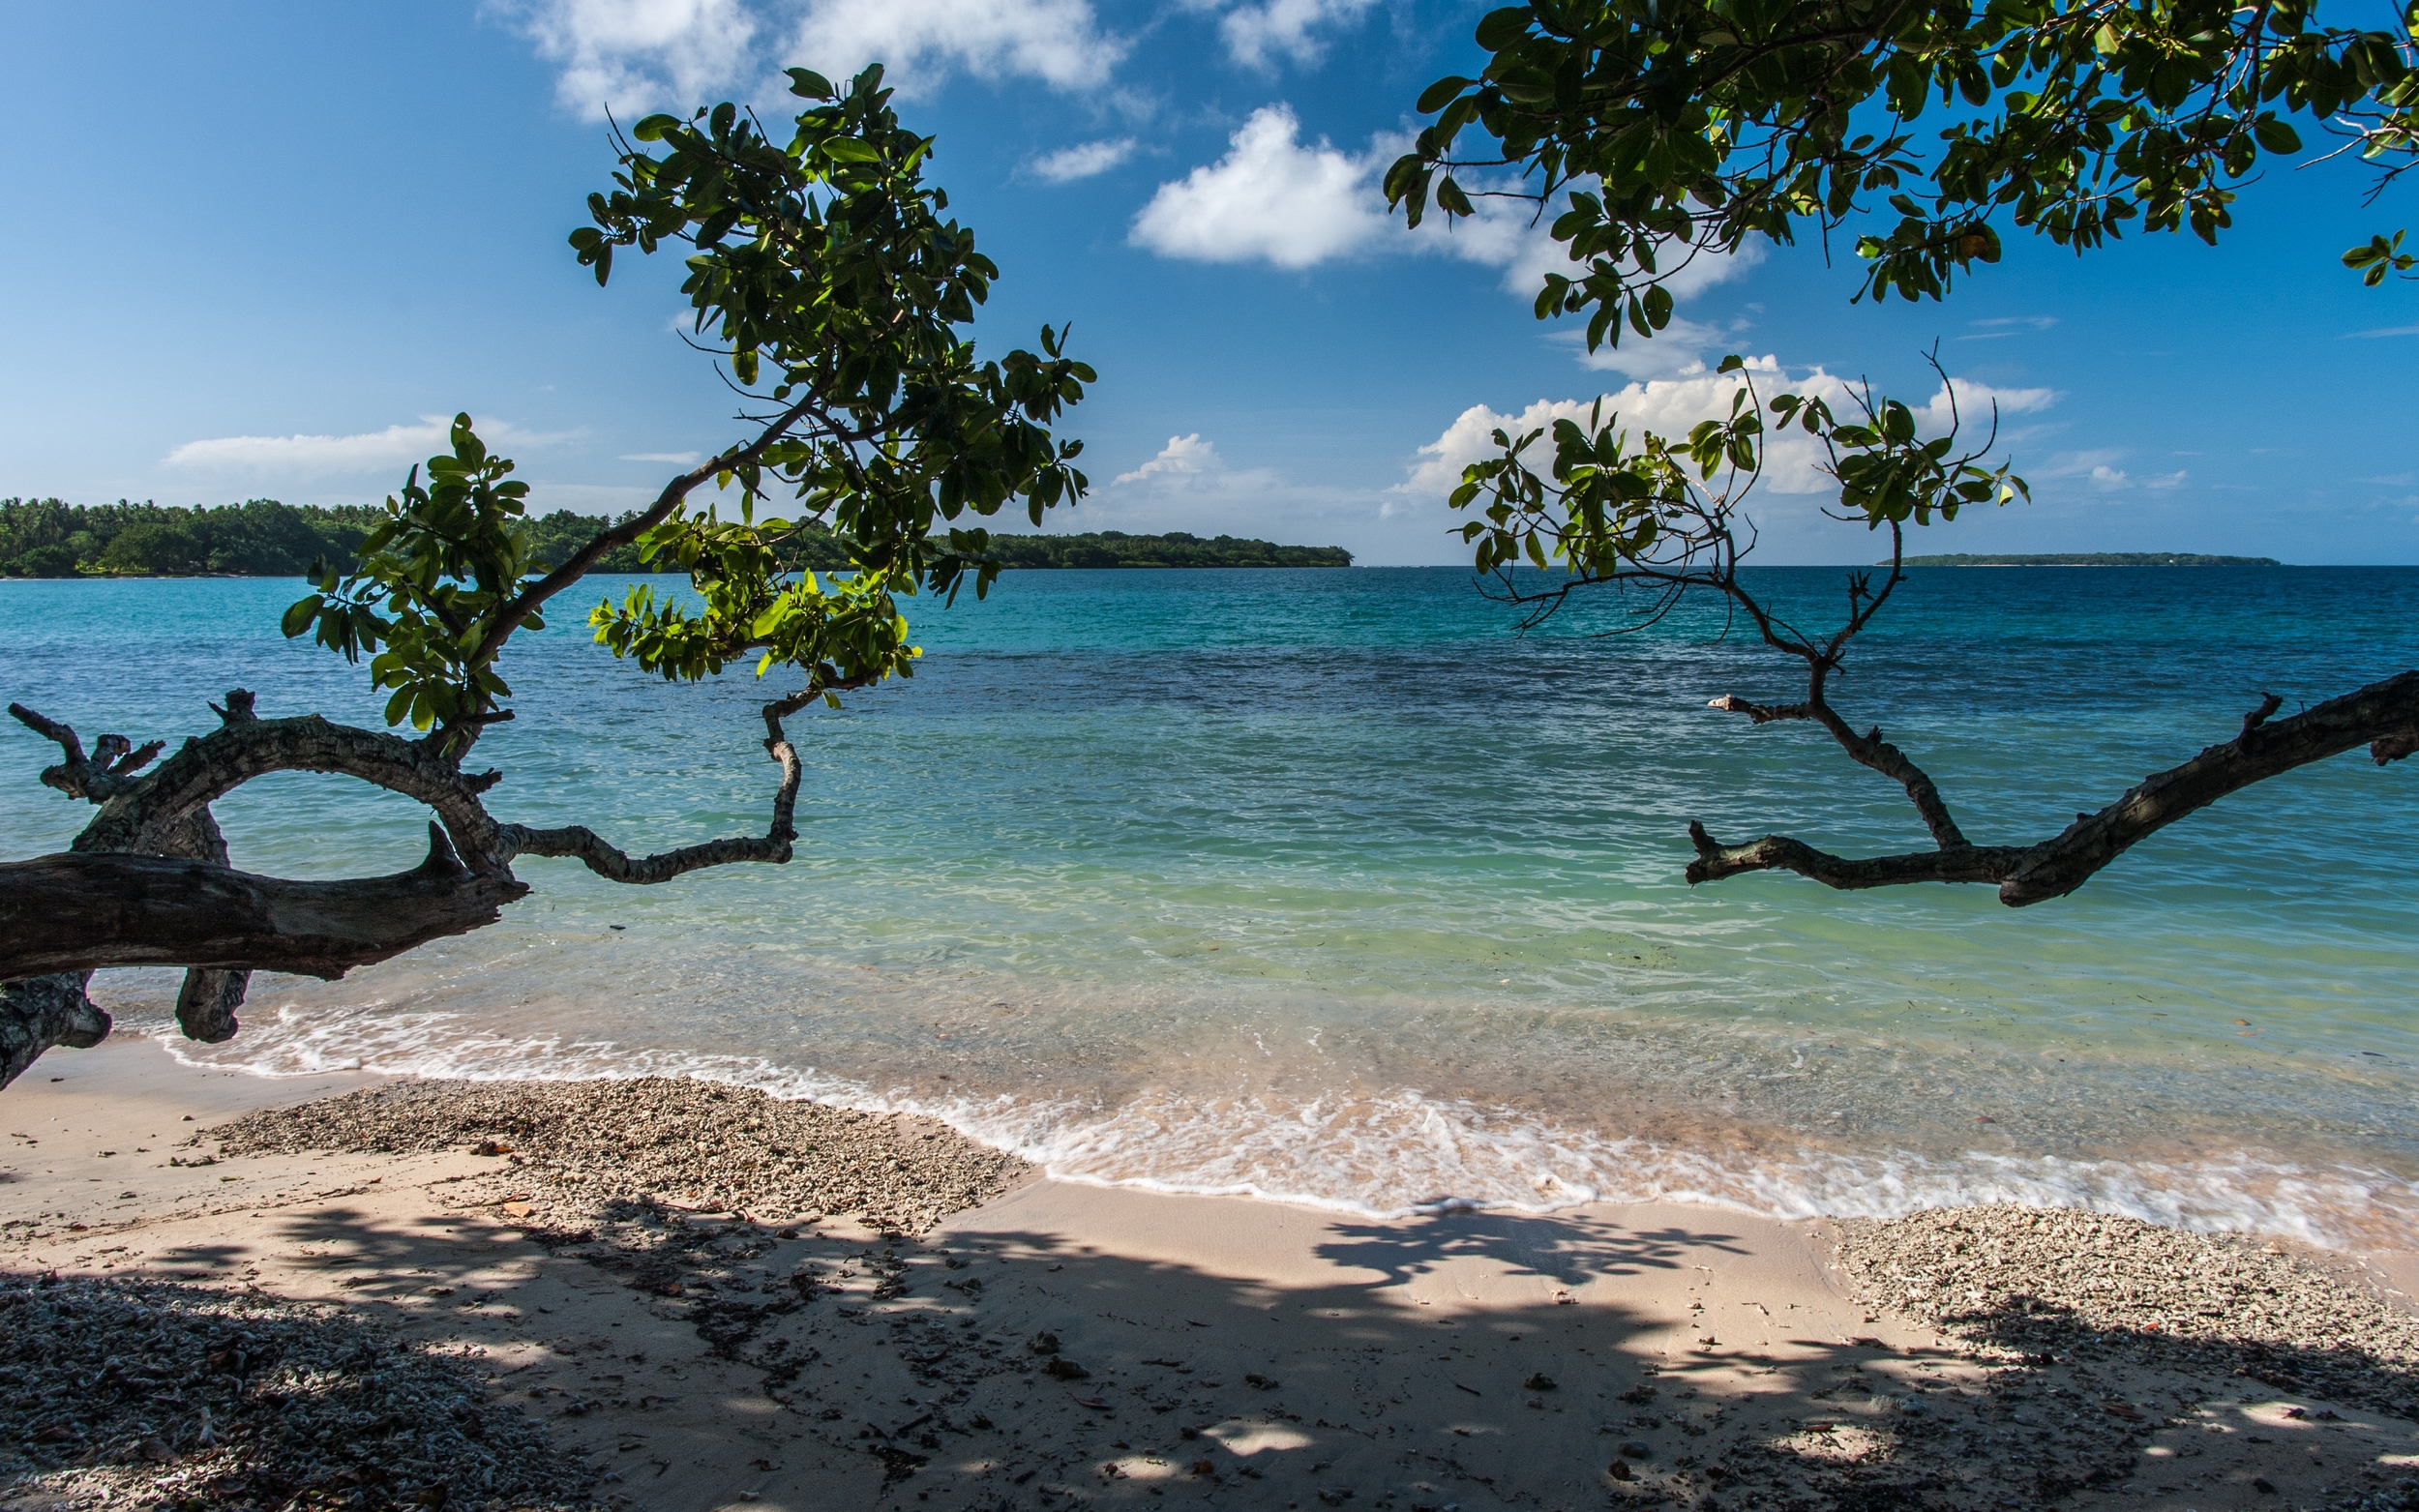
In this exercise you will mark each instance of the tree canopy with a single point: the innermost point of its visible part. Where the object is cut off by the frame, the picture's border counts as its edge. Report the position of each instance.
(823, 272)
(1659, 130)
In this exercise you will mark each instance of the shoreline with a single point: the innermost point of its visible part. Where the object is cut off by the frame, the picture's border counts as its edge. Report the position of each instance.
(1231, 1351)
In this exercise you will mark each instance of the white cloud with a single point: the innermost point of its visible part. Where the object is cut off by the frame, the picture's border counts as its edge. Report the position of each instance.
(2168, 480)
(1083, 161)
(321, 456)
(1255, 32)
(1271, 199)
(679, 459)
(1671, 407)
(635, 55)
(922, 41)
(1276, 198)
(2000, 327)
(1184, 455)
(2391, 330)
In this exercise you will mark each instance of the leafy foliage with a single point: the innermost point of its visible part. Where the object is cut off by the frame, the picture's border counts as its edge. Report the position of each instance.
(824, 268)
(1681, 129)
(428, 588)
(1667, 515)
(2380, 256)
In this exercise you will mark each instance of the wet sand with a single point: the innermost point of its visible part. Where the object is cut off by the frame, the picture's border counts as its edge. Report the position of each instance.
(895, 1317)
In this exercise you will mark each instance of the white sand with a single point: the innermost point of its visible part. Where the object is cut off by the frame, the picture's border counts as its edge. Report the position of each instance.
(1403, 1359)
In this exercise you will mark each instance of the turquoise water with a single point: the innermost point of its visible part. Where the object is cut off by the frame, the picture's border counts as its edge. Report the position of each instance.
(1327, 886)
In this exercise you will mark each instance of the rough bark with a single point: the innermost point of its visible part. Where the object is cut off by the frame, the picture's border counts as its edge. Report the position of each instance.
(141, 817)
(147, 883)
(43, 1011)
(76, 913)
(2384, 716)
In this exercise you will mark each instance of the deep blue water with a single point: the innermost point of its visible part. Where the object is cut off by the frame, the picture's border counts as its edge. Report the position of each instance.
(1329, 886)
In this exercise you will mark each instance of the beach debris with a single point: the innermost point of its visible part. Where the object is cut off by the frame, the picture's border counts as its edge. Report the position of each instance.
(1619, 1469)
(1064, 1369)
(275, 1394)
(653, 1139)
(2029, 1283)
(1043, 1343)
(1637, 1449)
(1540, 1382)
(1264, 1383)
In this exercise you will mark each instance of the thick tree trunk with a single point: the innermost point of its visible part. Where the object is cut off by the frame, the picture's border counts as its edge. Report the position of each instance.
(79, 912)
(43, 1011)
(2383, 717)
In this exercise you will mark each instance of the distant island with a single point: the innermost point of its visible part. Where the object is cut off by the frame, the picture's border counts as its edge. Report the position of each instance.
(262, 538)
(1175, 549)
(2092, 559)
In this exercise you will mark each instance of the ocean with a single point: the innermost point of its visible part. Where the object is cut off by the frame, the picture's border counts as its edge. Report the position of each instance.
(1332, 887)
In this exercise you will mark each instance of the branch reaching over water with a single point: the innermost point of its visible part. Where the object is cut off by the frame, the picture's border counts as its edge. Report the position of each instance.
(77, 912)
(2384, 716)
(609, 861)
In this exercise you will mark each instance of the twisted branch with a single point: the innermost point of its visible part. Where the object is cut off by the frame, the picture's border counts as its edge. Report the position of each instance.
(772, 847)
(2384, 716)
(74, 913)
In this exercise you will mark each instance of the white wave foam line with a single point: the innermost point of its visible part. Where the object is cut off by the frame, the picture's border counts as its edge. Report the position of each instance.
(1388, 1155)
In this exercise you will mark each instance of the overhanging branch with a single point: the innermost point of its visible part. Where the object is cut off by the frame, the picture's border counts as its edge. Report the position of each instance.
(79, 912)
(2384, 716)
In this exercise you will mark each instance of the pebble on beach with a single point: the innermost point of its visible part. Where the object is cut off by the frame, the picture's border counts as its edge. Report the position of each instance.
(698, 1146)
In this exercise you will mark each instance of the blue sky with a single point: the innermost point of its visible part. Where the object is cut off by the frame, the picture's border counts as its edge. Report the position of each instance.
(265, 250)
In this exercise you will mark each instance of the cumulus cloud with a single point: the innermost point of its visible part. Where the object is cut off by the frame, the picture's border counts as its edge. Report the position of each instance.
(1272, 198)
(638, 55)
(635, 55)
(1277, 199)
(1183, 457)
(1672, 406)
(922, 41)
(1083, 161)
(1256, 35)
(322, 455)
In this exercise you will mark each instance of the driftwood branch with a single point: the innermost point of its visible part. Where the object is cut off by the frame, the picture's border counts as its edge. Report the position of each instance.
(147, 883)
(2384, 716)
(79, 912)
(43, 1011)
(582, 844)
(142, 816)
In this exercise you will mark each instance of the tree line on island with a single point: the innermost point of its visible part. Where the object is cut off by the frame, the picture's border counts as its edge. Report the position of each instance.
(828, 282)
(2085, 559)
(262, 538)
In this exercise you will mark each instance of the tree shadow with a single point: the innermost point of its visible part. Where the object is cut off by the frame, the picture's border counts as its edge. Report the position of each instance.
(1476, 1359)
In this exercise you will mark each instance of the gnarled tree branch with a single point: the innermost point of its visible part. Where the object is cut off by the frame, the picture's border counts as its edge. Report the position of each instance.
(77, 912)
(607, 861)
(2384, 716)
(43, 1011)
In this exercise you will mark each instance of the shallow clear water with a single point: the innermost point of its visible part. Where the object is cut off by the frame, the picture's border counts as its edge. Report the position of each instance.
(1325, 885)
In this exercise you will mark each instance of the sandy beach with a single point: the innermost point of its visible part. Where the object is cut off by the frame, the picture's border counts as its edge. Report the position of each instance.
(668, 1295)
